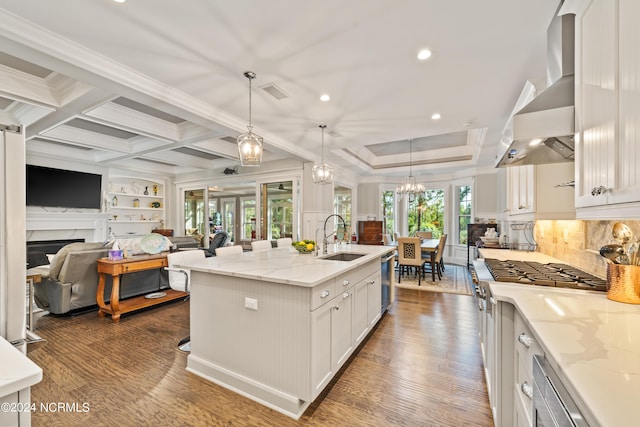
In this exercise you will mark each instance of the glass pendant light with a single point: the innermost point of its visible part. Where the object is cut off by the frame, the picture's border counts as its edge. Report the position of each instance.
(322, 173)
(409, 187)
(250, 144)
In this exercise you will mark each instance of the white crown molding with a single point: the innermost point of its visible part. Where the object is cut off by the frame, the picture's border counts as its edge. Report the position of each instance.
(30, 35)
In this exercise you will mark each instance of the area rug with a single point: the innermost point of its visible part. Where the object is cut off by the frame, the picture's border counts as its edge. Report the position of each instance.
(455, 280)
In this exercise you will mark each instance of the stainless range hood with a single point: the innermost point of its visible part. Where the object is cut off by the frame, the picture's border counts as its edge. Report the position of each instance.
(542, 131)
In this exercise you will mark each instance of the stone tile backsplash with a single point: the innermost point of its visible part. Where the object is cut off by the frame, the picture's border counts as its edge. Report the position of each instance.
(578, 242)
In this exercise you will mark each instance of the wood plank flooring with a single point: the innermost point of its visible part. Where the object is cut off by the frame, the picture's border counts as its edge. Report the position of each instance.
(421, 367)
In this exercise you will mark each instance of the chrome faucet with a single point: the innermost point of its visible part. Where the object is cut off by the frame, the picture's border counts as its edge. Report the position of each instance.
(325, 243)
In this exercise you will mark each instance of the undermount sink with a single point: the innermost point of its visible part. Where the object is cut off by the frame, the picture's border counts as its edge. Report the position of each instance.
(343, 256)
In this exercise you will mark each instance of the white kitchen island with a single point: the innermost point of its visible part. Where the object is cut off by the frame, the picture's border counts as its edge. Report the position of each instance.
(276, 326)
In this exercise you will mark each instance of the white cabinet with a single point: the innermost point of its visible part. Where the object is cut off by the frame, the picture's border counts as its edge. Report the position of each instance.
(331, 338)
(342, 322)
(367, 306)
(135, 205)
(535, 192)
(608, 110)
(511, 367)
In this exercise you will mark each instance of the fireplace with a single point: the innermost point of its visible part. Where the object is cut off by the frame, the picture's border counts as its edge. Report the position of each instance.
(87, 226)
(37, 250)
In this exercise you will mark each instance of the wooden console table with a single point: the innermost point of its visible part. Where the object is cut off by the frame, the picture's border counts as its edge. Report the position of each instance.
(129, 265)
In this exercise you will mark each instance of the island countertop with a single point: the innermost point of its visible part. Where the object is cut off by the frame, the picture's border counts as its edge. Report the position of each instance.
(17, 372)
(287, 266)
(593, 344)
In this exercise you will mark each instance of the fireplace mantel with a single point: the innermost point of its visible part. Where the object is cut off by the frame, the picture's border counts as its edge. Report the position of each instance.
(92, 227)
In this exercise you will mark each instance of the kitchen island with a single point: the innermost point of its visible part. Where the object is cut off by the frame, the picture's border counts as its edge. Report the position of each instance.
(276, 325)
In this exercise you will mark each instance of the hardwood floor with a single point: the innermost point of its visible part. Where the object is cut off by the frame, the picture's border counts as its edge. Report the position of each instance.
(421, 367)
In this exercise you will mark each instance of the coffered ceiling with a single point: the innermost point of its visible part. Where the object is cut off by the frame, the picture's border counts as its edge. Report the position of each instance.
(158, 86)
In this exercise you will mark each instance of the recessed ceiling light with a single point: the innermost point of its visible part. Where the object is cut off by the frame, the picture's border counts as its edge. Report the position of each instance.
(424, 54)
(119, 1)
(436, 116)
(324, 97)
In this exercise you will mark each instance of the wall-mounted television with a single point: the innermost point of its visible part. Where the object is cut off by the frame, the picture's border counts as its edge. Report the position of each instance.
(63, 188)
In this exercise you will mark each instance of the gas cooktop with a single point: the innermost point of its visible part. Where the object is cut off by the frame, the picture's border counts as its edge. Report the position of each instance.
(535, 273)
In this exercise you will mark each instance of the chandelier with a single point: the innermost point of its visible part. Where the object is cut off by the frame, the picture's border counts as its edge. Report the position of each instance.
(250, 144)
(322, 173)
(409, 187)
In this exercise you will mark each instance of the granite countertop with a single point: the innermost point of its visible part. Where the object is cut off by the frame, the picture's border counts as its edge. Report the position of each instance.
(17, 371)
(287, 266)
(593, 343)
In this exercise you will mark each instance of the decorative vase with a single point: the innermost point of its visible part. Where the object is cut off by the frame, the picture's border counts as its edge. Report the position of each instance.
(155, 189)
(146, 191)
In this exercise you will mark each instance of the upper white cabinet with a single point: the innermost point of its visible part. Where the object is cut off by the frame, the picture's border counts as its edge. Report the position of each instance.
(536, 192)
(608, 110)
(135, 205)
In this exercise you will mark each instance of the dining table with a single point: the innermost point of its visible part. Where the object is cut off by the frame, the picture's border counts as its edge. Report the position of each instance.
(429, 246)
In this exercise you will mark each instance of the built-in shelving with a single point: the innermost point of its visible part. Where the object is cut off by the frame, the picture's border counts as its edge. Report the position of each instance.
(130, 209)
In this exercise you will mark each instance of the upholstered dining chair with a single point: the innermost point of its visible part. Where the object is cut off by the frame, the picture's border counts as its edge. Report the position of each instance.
(424, 234)
(179, 279)
(439, 261)
(284, 242)
(410, 255)
(229, 250)
(261, 245)
(386, 239)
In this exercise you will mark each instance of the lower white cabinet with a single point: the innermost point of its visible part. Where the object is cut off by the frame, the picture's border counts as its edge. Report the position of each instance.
(340, 324)
(511, 367)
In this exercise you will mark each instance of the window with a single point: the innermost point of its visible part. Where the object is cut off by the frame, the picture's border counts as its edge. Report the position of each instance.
(248, 215)
(464, 213)
(388, 201)
(426, 213)
(342, 204)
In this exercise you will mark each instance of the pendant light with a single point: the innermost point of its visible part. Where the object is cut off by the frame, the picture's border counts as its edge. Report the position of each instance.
(250, 144)
(409, 187)
(322, 173)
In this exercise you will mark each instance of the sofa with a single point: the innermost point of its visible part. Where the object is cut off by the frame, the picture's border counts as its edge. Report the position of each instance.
(70, 282)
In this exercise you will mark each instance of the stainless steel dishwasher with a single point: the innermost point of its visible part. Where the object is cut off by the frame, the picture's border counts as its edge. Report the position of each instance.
(386, 272)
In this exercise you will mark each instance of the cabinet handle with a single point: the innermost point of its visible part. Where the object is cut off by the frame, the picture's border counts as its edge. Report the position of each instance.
(336, 307)
(521, 207)
(598, 191)
(480, 306)
(345, 282)
(372, 282)
(525, 340)
(527, 390)
(324, 294)
(346, 295)
(492, 300)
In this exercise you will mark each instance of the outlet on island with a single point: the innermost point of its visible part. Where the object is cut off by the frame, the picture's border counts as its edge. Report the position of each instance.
(251, 303)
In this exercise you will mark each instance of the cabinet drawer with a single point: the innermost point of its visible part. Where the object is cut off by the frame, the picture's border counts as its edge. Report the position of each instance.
(525, 342)
(523, 387)
(350, 278)
(323, 293)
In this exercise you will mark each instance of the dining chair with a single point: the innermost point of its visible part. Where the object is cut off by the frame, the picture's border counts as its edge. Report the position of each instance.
(229, 250)
(409, 256)
(386, 239)
(424, 234)
(438, 262)
(179, 279)
(284, 242)
(441, 248)
(261, 245)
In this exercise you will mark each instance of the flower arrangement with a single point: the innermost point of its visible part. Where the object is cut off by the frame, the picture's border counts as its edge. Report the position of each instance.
(304, 246)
